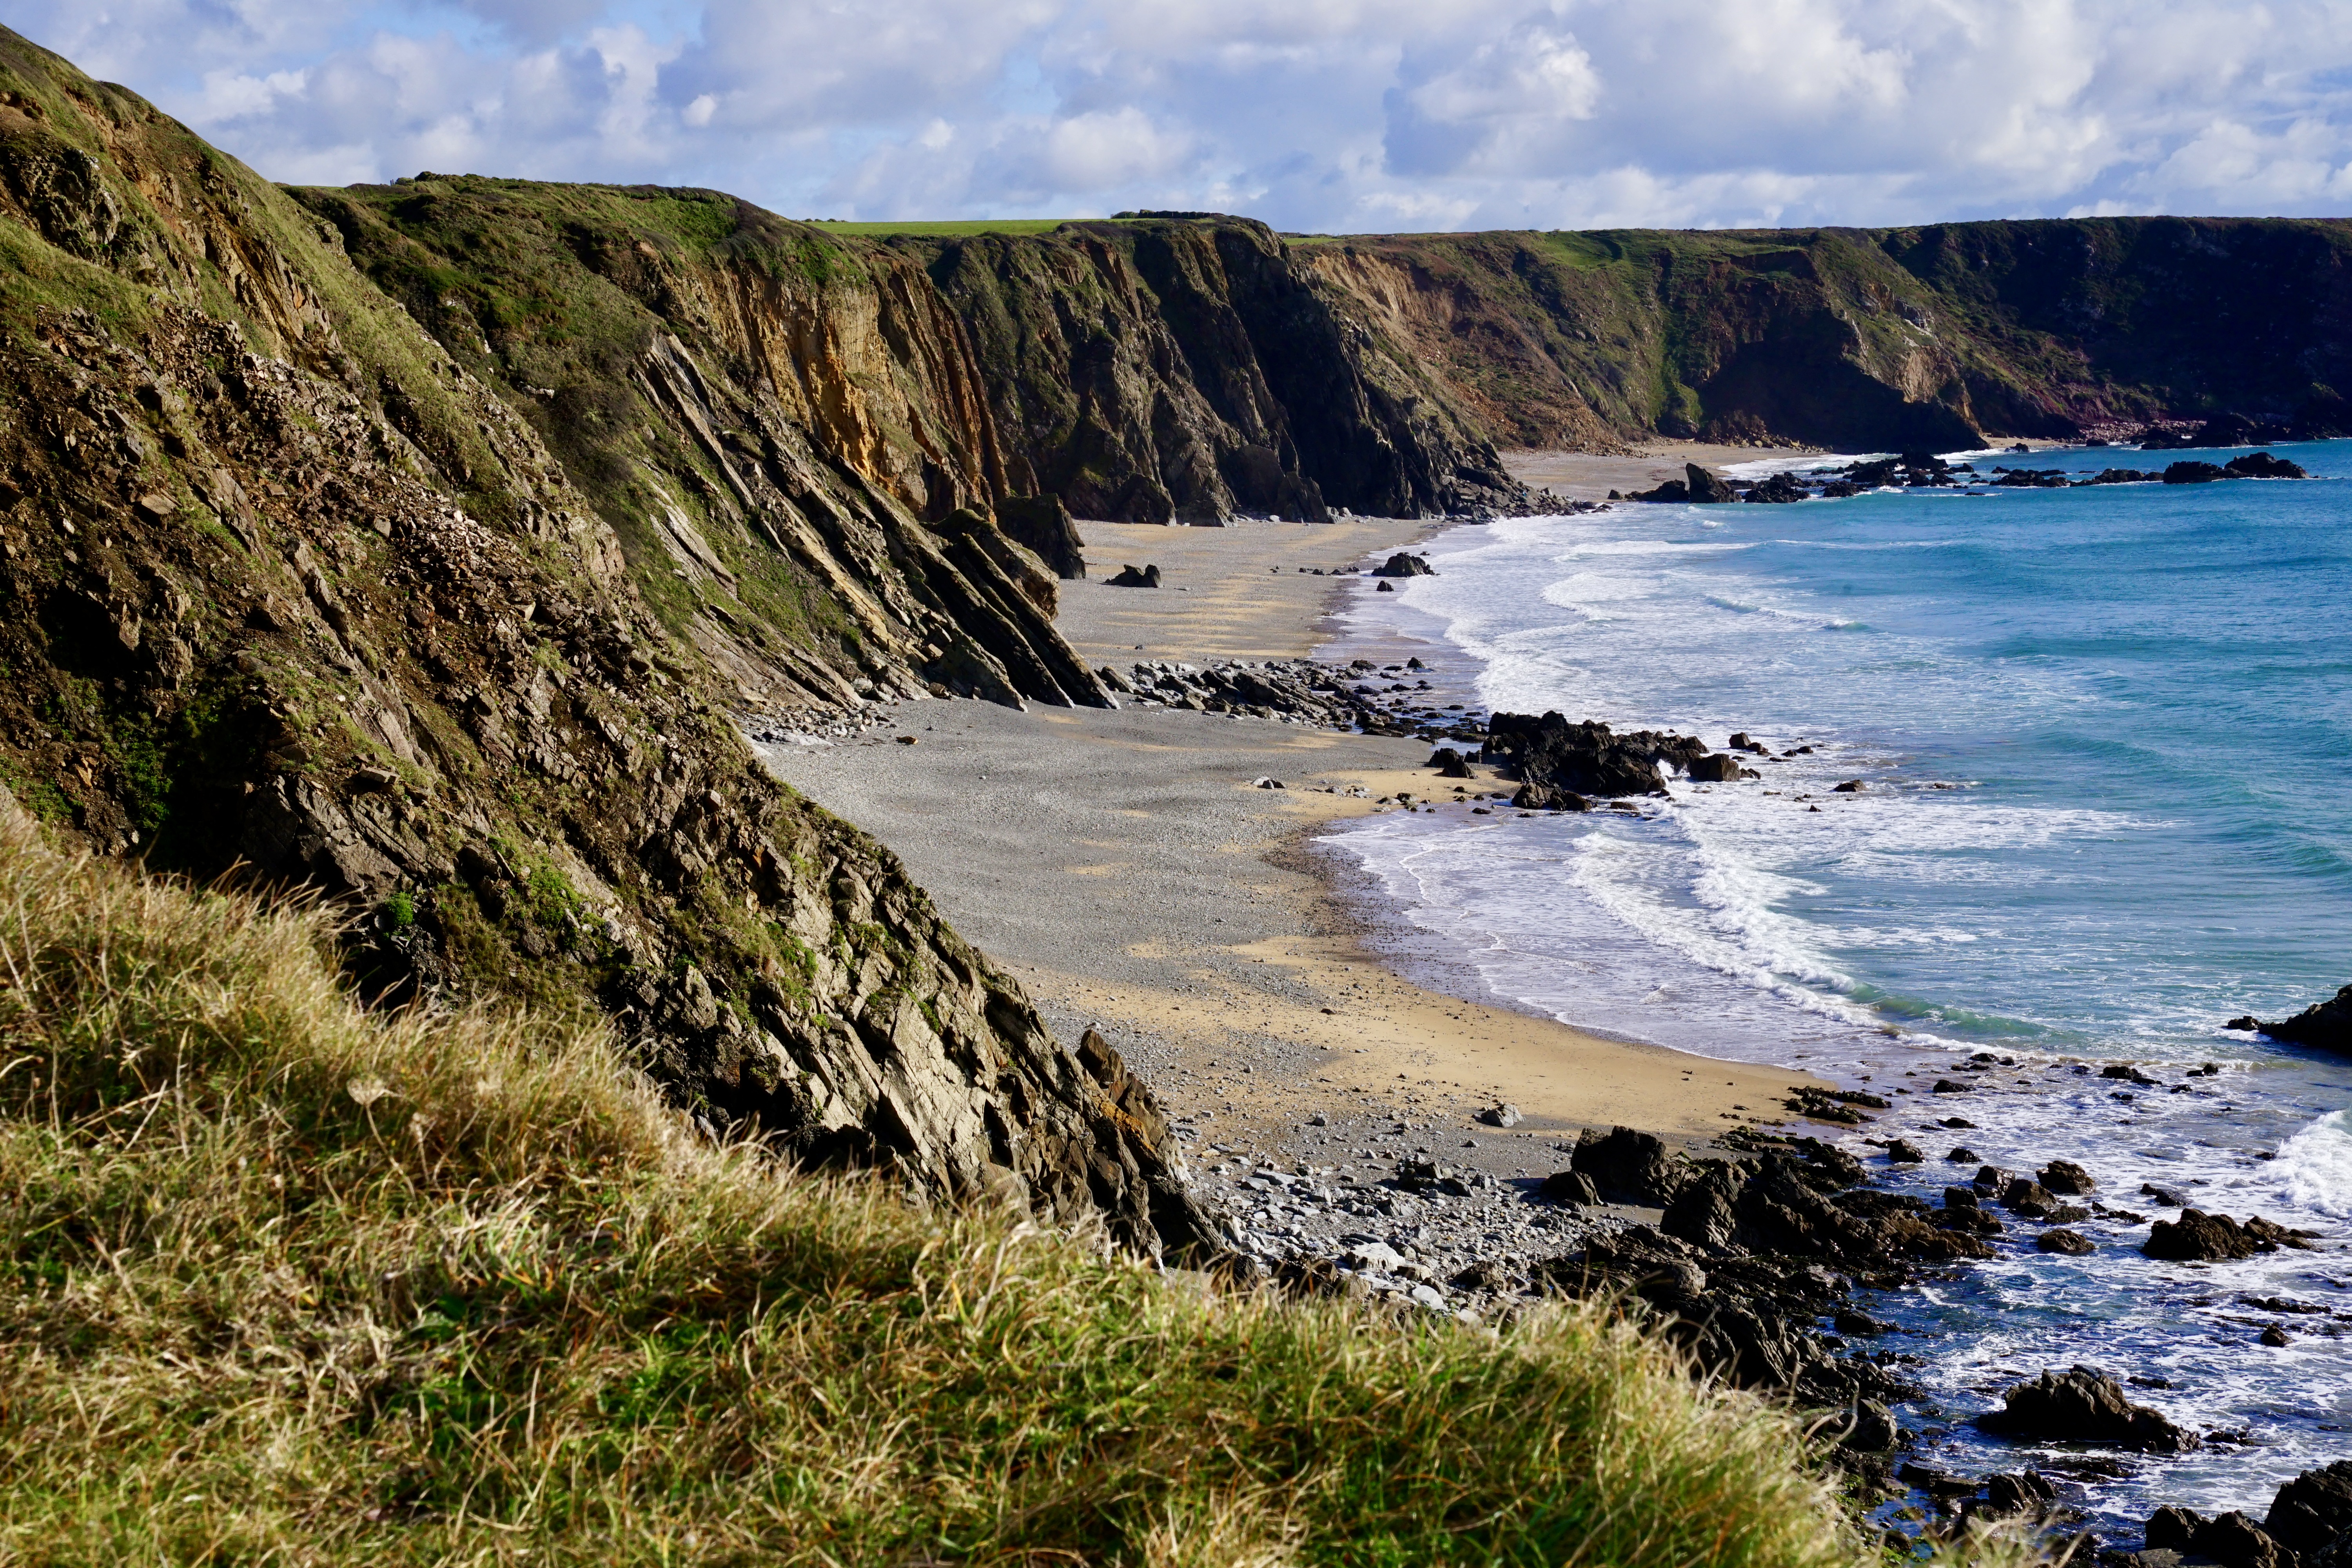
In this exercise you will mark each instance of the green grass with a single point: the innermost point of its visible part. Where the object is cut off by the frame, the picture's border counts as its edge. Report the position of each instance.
(283, 1282)
(951, 229)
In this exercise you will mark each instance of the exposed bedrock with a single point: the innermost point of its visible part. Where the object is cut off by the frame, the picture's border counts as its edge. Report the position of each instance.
(1183, 370)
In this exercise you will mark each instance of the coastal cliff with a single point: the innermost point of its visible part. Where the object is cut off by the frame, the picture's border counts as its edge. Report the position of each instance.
(1867, 339)
(1185, 368)
(297, 593)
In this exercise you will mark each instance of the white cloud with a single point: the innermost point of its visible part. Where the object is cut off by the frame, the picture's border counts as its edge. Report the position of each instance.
(1322, 114)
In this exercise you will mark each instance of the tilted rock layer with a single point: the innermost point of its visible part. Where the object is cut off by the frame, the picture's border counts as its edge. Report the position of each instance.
(290, 583)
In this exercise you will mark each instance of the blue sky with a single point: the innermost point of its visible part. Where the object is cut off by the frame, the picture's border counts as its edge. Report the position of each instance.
(1322, 115)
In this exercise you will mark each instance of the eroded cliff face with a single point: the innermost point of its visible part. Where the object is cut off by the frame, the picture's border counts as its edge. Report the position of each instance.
(1865, 339)
(1183, 370)
(787, 431)
(290, 584)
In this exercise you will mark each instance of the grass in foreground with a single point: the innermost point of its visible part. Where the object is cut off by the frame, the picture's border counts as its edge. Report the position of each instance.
(288, 1283)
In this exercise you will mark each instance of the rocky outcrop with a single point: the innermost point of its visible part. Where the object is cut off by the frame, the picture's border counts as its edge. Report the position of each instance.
(290, 584)
(2200, 1238)
(2085, 1405)
(2327, 1024)
(1182, 369)
(1586, 759)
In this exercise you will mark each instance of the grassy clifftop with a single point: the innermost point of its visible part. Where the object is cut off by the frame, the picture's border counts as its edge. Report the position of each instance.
(284, 1281)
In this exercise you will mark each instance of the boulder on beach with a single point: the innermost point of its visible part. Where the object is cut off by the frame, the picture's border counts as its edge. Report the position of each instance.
(1568, 1187)
(2085, 1405)
(1631, 1167)
(1134, 577)
(1449, 764)
(1405, 564)
(1543, 797)
(1504, 1115)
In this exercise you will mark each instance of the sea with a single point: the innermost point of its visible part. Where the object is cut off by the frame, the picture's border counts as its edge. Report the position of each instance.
(2103, 744)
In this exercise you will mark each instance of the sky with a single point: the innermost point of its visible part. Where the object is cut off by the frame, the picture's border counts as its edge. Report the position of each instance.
(1318, 116)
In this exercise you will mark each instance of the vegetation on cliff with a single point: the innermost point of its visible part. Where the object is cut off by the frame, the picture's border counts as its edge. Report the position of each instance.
(286, 1280)
(1865, 339)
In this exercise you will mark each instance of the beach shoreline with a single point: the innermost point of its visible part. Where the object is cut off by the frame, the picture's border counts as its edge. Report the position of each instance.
(1123, 866)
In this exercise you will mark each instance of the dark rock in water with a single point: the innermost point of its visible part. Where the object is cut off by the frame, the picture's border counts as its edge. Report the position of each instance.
(2172, 1529)
(1778, 488)
(1129, 578)
(1673, 491)
(2194, 473)
(1961, 1155)
(1629, 1167)
(1384, 588)
(1717, 767)
(1569, 1187)
(1946, 1086)
(1405, 564)
(1587, 758)
(2325, 1024)
(2246, 1022)
(1449, 764)
(1858, 1325)
(1850, 786)
(1903, 1152)
(2313, 1512)
(2084, 1405)
(1958, 1123)
(2200, 1238)
(2021, 1197)
(2275, 1337)
(1043, 525)
(1543, 797)
(2235, 1541)
(2165, 1196)
(2006, 1496)
(2065, 1176)
(2264, 466)
(2073, 1244)
(1705, 486)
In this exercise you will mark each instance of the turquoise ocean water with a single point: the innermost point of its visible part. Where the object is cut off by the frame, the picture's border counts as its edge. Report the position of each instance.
(2105, 740)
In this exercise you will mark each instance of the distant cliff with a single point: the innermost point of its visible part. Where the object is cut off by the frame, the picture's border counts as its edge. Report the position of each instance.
(1871, 339)
(1185, 370)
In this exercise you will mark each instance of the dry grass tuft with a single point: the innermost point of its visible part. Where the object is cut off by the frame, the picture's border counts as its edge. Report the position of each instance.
(287, 1283)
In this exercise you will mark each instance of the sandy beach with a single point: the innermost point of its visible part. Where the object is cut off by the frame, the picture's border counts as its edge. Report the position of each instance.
(1589, 475)
(1124, 866)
